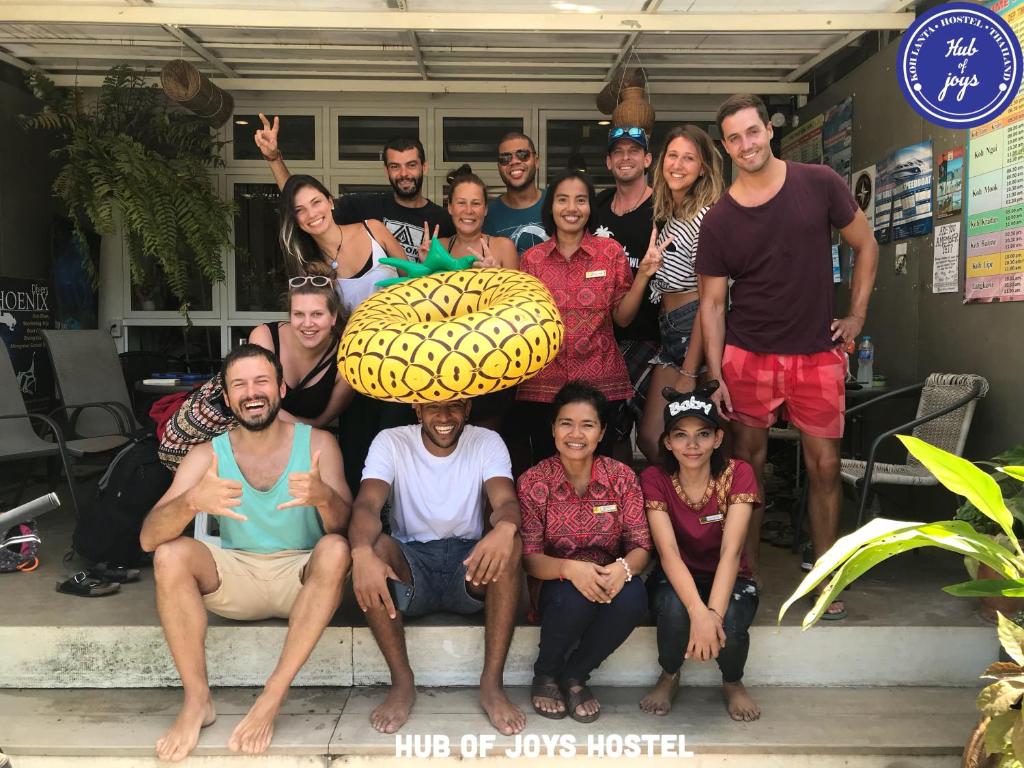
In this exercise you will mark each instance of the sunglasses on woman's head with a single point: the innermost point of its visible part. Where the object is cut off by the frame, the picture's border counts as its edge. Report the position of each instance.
(522, 155)
(318, 281)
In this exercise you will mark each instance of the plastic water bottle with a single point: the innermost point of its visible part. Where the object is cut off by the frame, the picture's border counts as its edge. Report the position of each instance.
(865, 361)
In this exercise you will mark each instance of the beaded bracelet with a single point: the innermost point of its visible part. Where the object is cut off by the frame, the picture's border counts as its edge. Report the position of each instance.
(625, 565)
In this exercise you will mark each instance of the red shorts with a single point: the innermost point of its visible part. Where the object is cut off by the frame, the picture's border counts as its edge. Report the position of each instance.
(807, 390)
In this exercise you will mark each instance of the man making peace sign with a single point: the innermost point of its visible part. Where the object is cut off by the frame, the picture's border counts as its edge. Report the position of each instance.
(279, 492)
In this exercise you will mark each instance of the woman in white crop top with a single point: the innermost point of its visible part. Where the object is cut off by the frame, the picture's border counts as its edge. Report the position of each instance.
(349, 254)
(687, 182)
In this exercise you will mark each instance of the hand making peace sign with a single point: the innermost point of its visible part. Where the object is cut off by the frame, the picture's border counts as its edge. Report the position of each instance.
(654, 257)
(266, 138)
(424, 246)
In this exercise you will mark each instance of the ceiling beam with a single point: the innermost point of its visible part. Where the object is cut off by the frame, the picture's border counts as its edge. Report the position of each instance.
(422, 21)
(845, 42)
(14, 61)
(186, 39)
(651, 6)
(488, 85)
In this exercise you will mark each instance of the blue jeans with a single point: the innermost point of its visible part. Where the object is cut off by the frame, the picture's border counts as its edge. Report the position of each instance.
(576, 635)
(674, 625)
(439, 577)
(676, 329)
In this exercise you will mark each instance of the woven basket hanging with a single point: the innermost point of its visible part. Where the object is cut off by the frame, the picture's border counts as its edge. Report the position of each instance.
(634, 109)
(189, 87)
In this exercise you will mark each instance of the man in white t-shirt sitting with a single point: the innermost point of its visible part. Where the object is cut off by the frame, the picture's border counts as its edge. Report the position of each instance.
(438, 475)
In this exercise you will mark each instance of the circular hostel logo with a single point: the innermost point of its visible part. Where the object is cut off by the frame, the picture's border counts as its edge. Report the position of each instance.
(959, 65)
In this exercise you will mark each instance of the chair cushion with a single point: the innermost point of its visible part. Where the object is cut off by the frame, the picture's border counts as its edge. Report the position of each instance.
(852, 472)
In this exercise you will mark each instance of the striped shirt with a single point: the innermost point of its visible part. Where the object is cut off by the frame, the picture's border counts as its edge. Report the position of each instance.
(677, 272)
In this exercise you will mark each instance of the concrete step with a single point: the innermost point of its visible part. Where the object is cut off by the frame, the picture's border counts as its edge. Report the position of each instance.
(800, 728)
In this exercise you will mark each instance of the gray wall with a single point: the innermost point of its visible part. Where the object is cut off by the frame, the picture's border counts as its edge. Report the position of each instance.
(26, 205)
(917, 332)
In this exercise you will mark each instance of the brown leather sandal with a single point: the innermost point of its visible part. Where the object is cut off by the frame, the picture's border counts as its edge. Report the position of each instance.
(546, 687)
(576, 698)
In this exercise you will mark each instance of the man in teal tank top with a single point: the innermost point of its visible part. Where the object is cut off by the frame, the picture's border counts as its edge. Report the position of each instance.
(278, 490)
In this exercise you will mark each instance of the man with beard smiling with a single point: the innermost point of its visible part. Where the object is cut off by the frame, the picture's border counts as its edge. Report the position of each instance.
(437, 475)
(516, 214)
(279, 492)
(407, 214)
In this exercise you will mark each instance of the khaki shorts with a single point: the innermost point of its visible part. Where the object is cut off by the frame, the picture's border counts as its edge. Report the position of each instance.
(255, 586)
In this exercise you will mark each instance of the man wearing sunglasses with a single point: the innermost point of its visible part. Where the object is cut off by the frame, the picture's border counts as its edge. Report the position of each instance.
(625, 213)
(403, 212)
(516, 214)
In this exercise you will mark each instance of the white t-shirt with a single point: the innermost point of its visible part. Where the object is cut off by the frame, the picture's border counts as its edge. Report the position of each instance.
(436, 497)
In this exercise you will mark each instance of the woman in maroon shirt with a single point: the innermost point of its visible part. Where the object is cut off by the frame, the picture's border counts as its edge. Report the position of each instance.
(699, 506)
(592, 286)
(584, 536)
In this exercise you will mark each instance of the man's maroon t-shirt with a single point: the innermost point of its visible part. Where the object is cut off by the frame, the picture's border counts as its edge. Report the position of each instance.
(780, 256)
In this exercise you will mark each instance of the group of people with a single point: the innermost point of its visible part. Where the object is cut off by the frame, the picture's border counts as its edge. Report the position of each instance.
(724, 303)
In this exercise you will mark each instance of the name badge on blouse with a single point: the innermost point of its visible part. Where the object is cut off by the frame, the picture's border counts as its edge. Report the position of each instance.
(602, 508)
(597, 273)
(715, 518)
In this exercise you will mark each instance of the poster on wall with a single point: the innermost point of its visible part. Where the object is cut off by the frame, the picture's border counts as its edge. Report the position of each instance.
(863, 188)
(949, 193)
(945, 277)
(903, 194)
(803, 144)
(24, 314)
(994, 266)
(837, 137)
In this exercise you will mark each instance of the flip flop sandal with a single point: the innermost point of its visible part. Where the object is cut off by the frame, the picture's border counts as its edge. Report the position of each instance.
(546, 687)
(838, 615)
(114, 573)
(574, 699)
(82, 585)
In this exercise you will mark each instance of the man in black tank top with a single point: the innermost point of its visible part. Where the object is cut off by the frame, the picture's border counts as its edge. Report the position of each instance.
(625, 214)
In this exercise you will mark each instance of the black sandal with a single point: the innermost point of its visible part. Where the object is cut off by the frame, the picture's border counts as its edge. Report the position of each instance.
(546, 687)
(114, 573)
(576, 698)
(82, 584)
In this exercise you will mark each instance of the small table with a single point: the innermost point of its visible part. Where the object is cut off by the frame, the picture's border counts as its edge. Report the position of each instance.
(856, 397)
(166, 389)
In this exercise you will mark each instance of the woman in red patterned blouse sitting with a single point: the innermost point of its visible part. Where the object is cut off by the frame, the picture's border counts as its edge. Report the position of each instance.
(699, 505)
(584, 537)
(592, 286)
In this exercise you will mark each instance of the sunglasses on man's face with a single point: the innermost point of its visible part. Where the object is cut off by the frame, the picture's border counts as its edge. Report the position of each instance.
(522, 155)
(318, 281)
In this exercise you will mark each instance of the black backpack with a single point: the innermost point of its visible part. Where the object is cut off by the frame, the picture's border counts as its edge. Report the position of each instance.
(110, 522)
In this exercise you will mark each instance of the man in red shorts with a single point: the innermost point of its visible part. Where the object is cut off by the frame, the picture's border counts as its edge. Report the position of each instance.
(781, 354)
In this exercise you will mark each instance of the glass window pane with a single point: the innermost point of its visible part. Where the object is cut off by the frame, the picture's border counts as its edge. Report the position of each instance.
(583, 143)
(153, 294)
(361, 138)
(240, 334)
(297, 139)
(475, 139)
(260, 275)
(188, 350)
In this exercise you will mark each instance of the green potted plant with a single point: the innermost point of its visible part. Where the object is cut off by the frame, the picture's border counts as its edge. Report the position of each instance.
(1001, 730)
(129, 154)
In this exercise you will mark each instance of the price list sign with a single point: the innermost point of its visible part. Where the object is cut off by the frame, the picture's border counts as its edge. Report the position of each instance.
(995, 195)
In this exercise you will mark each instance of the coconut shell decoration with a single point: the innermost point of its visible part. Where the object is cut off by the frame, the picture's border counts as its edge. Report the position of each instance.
(634, 109)
(186, 85)
(621, 78)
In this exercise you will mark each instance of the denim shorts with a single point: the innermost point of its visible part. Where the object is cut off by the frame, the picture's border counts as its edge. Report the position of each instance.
(439, 577)
(676, 329)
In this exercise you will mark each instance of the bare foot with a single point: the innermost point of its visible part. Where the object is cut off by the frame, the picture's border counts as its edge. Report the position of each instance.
(659, 700)
(182, 737)
(392, 714)
(254, 733)
(739, 703)
(504, 715)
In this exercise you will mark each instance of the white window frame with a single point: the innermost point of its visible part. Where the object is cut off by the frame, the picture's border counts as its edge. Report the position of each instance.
(441, 168)
(334, 164)
(306, 166)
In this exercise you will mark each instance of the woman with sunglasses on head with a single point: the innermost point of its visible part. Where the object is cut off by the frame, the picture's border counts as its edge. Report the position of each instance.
(699, 505)
(584, 537)
(307, 346)
(349, 254)
(593, 286)
(687, 182)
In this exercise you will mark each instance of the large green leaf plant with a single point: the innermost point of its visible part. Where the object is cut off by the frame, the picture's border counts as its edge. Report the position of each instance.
(129, 152)
(854, 554)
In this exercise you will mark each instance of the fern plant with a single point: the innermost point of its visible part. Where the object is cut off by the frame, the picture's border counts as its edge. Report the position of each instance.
(129, 153)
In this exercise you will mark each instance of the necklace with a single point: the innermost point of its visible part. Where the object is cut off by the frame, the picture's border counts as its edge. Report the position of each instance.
(337, 251)
(637, 204)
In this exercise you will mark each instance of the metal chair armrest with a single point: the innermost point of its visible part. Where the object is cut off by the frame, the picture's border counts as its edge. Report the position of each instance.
(876, 400)
(109, 407)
